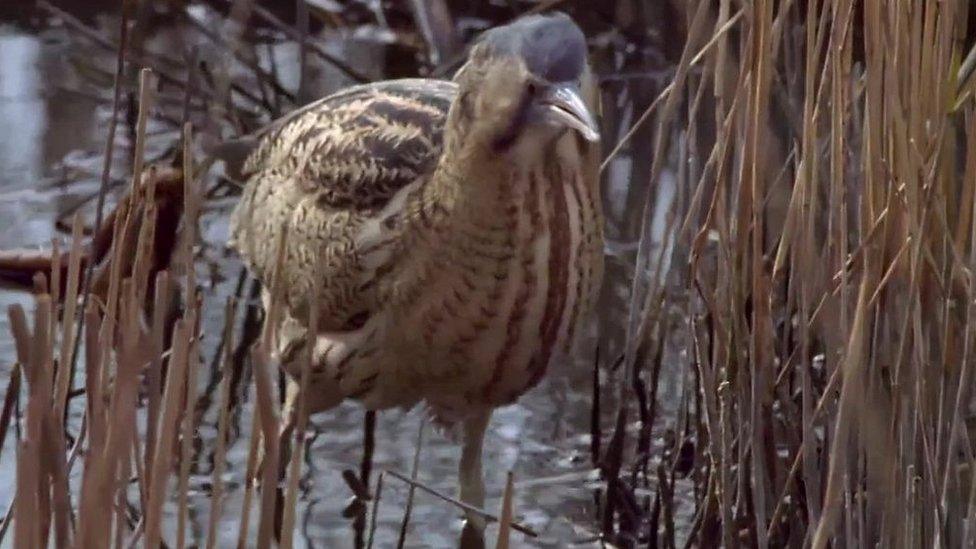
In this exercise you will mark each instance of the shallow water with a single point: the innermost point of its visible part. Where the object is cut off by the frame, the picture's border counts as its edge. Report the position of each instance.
(51, 138)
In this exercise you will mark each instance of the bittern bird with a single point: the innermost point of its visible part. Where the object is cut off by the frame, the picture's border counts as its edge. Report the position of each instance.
(447, 233)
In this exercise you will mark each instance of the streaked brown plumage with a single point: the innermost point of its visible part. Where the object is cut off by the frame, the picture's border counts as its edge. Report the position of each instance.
(457, 226)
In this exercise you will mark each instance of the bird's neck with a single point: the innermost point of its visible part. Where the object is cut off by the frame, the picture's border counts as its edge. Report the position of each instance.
(472, 183)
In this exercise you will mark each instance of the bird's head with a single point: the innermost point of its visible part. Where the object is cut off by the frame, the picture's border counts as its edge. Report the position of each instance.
(524, 80)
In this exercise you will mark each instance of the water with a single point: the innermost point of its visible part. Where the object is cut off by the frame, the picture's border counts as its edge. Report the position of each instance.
(53, 132)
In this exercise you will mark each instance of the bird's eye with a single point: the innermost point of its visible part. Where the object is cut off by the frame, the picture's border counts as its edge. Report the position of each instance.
(532, 88)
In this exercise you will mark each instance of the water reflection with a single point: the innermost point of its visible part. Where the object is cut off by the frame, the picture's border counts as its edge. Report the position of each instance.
(33, 75)
(21, 108)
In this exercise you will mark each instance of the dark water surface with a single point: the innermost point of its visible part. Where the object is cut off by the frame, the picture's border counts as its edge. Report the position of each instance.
(52, 131)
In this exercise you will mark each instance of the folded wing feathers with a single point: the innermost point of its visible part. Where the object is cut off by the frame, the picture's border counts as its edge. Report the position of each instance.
(327, 171)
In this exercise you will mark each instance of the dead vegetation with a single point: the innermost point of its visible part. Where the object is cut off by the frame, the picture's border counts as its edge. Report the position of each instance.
(785, 339)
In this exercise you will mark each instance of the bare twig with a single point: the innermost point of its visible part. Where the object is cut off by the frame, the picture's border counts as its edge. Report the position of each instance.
(460, 504)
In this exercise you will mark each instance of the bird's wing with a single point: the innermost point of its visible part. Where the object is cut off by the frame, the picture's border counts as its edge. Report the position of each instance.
(326, 171)
(360, 145)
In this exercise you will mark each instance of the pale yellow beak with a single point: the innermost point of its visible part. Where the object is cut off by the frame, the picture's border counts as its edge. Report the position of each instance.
(564, 105)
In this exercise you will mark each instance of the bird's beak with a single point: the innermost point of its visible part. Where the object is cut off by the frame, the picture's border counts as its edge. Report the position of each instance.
(564, 105)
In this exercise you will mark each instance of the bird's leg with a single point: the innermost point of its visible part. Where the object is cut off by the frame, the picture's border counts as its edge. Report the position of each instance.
(471, 479)
(289, 415)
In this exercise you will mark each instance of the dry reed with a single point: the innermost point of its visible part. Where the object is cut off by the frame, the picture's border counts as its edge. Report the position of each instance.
(828, 286)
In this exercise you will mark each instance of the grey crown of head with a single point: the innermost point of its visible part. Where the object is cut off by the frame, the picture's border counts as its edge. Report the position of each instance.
(552, 46)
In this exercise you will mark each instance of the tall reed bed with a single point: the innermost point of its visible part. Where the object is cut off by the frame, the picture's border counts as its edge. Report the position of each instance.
(814, 284)
(134, 329)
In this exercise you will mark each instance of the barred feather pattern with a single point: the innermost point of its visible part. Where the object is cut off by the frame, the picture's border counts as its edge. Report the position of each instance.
(323, 171)
(444, 275)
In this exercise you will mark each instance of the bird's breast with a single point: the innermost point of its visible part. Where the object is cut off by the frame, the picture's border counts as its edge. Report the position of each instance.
(503, 293)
